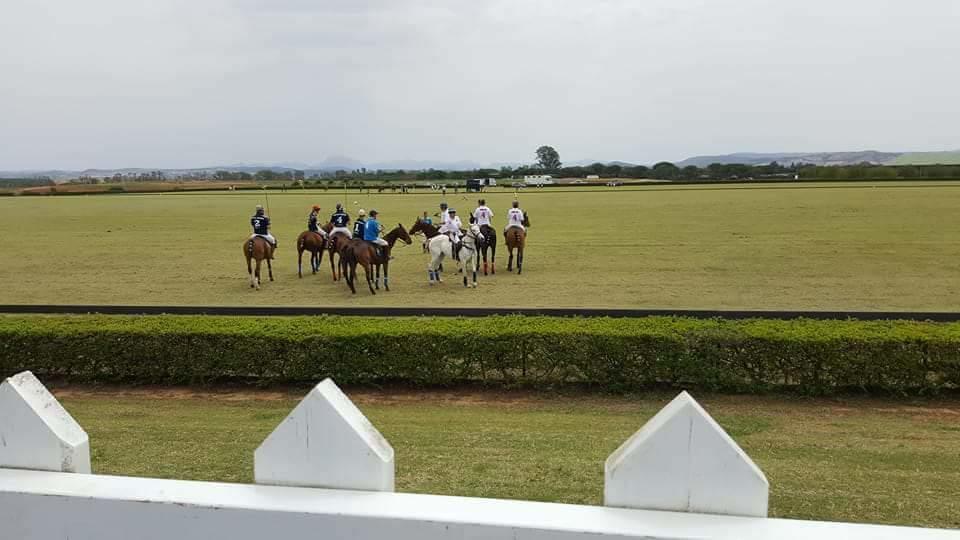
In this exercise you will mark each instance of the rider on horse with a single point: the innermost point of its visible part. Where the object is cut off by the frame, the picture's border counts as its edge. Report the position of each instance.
(261, 227)
(371, 233)
(312, 224)
(514, 217)
(340, 219)
(451, 227)
(426, 219)
(482, 214)
(360, 225)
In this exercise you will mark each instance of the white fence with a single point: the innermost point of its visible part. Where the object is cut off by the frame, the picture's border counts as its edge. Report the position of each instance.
(327, 473)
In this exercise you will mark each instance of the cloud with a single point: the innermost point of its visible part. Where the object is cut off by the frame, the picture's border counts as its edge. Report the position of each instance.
(181, 83)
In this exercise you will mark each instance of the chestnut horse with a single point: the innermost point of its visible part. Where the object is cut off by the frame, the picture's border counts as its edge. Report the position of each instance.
(259, 249)
(516, 239)
(315, 243)
(336, 244)
(365, 254)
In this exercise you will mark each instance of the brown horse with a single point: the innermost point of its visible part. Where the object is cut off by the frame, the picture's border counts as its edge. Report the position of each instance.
(336, 245)
(259, 249)
(516, 239)
(315, 243)
(365, 254)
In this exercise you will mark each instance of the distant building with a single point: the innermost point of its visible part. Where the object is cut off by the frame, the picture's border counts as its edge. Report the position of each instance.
(538, 179)
(593, 177)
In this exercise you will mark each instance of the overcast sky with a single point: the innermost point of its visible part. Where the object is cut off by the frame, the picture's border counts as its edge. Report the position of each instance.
(176, 83)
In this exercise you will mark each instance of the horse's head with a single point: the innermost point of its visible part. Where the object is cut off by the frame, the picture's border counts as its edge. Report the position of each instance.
(417, 226)
(526, 219)
(404, 236)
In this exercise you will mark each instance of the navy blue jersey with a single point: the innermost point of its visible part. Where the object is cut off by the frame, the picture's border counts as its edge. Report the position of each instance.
(340, 219)
(261, 224)
(312, 223)
(359, 226)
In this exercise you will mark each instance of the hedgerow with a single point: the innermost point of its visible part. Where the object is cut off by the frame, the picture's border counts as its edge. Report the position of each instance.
(807, 356)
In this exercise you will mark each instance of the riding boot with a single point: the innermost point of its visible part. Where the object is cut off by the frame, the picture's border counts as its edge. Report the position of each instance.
(456, 251)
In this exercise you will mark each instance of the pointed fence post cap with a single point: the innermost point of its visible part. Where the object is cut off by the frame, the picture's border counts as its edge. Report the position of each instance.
(681, 460)
(36, 432)
(326, 442)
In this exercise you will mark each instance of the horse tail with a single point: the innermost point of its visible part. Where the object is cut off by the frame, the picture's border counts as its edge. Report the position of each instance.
(250, 246)
(300, 241)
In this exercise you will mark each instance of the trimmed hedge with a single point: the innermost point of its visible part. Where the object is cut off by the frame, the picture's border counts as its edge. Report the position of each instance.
(812, 357)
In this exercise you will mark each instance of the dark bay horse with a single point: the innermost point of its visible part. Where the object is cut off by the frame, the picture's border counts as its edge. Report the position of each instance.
(489, 242)
(315, 243)
(516, 240)
(365, 254)
(258, 249)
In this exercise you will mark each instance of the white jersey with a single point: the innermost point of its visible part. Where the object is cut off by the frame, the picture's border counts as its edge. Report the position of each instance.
(452, 224)
(444, 216)
(482, 214)
(515, 217)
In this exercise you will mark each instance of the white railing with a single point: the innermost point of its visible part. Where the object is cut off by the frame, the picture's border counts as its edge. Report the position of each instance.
(327, 473)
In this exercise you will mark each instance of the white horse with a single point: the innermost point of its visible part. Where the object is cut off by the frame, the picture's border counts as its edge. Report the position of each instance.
(441, 246)
(470, 253)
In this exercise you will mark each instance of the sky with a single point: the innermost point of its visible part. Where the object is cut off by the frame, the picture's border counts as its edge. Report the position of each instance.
(185, 83)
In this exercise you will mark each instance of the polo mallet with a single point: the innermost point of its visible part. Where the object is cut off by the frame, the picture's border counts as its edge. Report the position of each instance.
(266, 199)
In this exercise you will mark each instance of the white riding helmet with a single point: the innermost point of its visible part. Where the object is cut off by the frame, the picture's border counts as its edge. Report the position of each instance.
(361, 212)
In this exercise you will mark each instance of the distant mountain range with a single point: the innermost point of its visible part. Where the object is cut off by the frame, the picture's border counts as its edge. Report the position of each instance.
(335, 163)
(830, 158)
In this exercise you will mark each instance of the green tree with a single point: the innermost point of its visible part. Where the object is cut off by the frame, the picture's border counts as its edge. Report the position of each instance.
(548, 158)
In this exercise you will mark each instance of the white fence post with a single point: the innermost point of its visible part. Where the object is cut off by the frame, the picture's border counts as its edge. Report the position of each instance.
(683, 461)
(326, 442)
(36, 432)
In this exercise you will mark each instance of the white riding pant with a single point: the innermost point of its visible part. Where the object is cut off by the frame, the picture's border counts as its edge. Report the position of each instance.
(342, 230)
(268, 237)
(508, 227)
(380, 242)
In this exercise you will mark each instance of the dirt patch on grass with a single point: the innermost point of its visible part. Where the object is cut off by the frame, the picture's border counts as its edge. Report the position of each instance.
(944, 408)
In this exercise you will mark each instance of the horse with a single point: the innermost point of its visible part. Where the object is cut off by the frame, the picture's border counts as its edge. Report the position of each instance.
(257, 248)
(315, 243)
(516, 238)
(365, 254)
(336, 244)
(489, 242)
(470, 253)
(440, 247)
(429, 231)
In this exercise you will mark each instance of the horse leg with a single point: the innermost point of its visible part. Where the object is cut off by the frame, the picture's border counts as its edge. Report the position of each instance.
(369, 276)
(333, 270)
(376, 269)
(510, 260)
(493, 258)
(351, 276)
(519, 260)
(270, 269)
(300, 261)
(250, 273)
(258, 274)
(386, 282)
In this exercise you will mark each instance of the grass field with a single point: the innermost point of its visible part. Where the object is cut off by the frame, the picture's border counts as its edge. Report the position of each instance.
(855, 460)
(837, 246)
